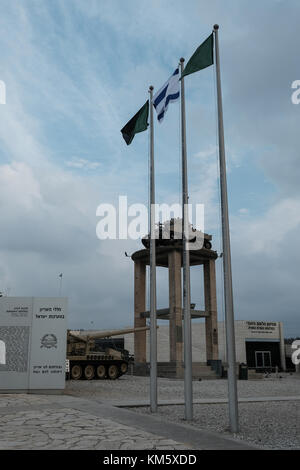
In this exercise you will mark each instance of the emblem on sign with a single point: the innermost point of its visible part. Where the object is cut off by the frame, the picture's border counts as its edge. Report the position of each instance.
(49, 341)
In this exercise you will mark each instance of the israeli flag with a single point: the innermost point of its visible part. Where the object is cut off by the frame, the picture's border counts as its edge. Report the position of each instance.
(170, 91)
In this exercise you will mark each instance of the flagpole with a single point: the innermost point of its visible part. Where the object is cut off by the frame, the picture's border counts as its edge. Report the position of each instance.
(188, 382)
(153, 329)
(60, 285)
(229, 313)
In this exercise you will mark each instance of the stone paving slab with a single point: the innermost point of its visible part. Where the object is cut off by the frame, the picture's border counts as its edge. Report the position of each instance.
(71, 429)
(21, 399)
(64, 422)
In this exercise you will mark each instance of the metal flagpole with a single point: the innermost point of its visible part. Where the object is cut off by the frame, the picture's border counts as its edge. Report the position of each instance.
(153, 330)
(188, 383)
(60, 284)
(229, 314)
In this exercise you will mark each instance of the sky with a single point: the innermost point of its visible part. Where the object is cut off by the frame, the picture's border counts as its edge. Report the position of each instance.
(75, 73)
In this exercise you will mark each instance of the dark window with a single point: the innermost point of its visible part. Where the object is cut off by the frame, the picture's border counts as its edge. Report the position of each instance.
(263, 354)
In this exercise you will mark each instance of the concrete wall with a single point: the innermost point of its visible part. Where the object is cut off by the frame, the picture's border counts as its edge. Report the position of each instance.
(163, 350)
(32, 343)
(243, 330)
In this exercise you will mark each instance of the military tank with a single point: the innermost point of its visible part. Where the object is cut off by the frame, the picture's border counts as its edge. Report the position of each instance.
(86, 361)
(169, 233)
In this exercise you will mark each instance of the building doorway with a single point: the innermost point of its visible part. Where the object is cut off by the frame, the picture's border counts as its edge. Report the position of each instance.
(263, 359)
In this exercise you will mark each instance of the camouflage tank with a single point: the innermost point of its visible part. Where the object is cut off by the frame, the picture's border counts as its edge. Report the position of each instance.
(87, 362)
(169, 233)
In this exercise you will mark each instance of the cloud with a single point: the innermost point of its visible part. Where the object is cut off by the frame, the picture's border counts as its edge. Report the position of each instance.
(268, 234)
(18, 178)
(243, 210)
(212, 150)
(82, 164)
(44, 237)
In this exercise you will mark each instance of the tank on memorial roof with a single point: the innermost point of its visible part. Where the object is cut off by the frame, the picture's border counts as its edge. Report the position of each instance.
(169, 233)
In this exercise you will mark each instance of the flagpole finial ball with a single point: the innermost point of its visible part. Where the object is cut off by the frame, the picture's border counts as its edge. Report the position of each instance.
(181, 59)
(216, 26)
(151, 88)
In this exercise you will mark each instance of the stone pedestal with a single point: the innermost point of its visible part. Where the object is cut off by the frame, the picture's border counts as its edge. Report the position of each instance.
(139, 306)
(211, 321)
(175, 310)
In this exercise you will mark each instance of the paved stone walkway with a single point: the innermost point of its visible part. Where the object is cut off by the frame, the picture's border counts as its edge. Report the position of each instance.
(65, 428)
(62, 422)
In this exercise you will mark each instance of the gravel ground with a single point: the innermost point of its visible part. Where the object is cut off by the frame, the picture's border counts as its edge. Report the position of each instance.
(273, 425)
(137, 388)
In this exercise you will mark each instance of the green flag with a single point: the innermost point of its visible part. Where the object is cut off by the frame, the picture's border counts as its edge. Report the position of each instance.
(203, 57)
(138, 123)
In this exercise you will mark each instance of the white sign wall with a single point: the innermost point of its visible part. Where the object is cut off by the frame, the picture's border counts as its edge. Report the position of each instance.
(32, 343)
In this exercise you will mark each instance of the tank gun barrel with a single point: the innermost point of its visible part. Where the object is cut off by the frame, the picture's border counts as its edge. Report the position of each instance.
(106, 334)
